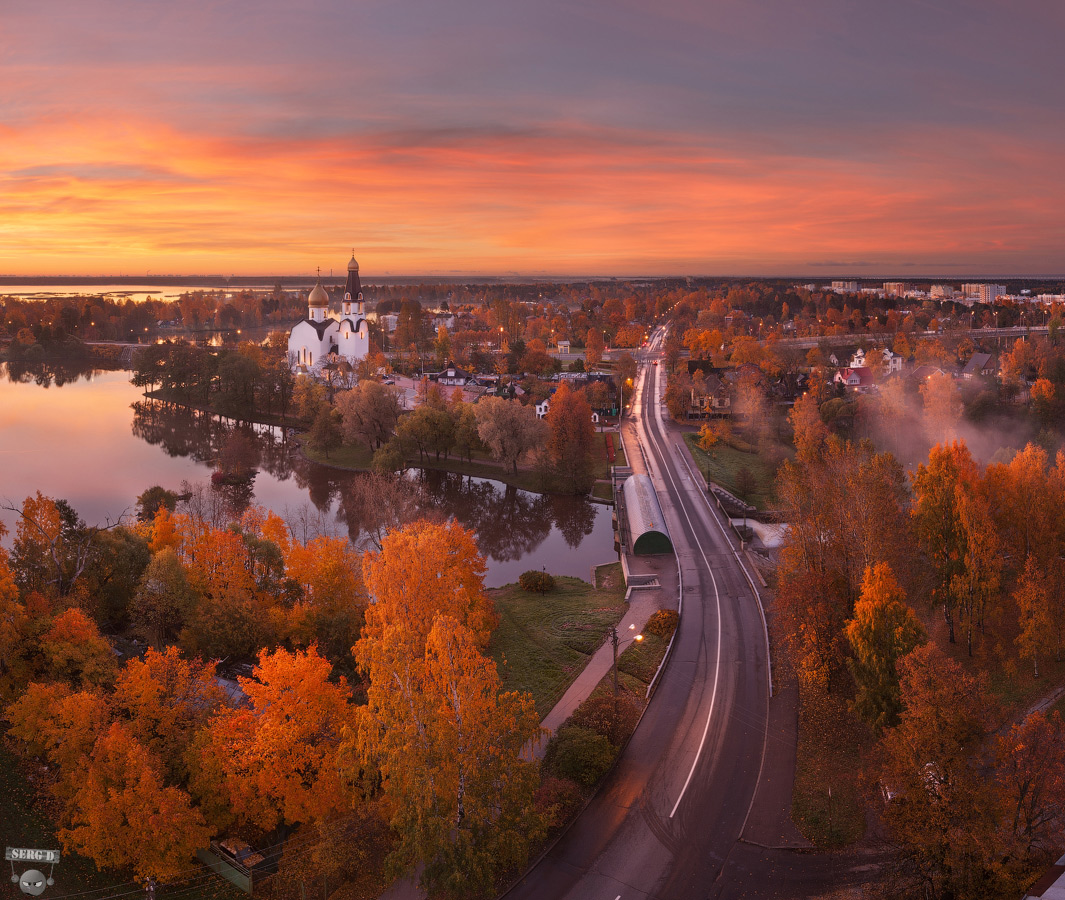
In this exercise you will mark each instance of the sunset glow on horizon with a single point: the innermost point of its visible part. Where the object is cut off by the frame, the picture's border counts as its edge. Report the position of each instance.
(587, 138)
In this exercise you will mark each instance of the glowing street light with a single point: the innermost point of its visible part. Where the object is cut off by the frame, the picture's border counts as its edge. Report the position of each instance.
(636, 638)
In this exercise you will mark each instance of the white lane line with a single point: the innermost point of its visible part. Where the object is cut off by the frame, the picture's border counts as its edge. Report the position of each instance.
(717, 600)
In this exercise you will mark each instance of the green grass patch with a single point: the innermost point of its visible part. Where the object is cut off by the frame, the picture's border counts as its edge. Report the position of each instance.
(827, 805)
(724, 465)
(544, 640)
(346, 456)
(602, 490)
(641, 659)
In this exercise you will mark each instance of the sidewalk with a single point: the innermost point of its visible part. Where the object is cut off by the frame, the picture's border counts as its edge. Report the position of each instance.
(643, 603)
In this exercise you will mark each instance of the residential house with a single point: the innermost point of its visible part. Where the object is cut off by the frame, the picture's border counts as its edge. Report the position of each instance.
(453, 376)
(858, 379)
(980, 364)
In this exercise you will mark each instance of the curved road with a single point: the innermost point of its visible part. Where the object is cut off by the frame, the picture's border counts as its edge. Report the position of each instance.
(671, 813)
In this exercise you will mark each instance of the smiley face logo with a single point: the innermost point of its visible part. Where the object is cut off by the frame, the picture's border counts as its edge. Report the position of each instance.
(32, 882)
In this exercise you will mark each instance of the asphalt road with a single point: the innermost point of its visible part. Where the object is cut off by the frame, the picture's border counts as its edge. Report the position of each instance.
(670, 815)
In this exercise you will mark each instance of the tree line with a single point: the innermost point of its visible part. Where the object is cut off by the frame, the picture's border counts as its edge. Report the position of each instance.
(906, 595)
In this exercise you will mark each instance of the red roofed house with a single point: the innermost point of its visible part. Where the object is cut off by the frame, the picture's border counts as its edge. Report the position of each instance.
(858, 379)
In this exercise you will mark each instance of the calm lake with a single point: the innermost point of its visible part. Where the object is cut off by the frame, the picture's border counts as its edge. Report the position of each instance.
(93, 440)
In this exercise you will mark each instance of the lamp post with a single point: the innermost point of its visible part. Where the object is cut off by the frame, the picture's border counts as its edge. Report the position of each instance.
(616, 642)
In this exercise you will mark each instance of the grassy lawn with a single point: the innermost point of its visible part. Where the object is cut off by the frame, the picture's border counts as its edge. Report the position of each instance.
(724, 465)
(827, 804)
(544, 640)
(641, 659)
(346, 456)
(601, 489)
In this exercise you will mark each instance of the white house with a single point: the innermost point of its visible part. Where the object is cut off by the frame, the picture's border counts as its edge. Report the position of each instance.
(320, 338)
(544, 405)
(892, 360)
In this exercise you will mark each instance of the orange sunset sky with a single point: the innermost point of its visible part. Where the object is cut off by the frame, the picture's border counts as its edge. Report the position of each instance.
(581, 137)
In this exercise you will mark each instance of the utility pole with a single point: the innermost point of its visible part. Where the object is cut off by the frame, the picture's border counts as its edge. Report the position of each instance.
(614, 641)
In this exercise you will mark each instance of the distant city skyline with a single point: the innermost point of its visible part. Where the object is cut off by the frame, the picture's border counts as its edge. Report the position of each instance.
(565, 139)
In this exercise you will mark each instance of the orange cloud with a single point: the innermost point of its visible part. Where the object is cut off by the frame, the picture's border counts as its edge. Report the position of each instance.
(105, 196)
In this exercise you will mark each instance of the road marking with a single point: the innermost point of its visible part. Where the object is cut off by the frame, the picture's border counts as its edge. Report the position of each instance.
(717, 600)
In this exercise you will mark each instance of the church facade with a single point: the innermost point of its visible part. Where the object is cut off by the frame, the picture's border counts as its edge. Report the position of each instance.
(320, 338)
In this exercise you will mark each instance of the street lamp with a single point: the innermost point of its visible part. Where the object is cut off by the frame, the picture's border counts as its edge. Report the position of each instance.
(616, 642)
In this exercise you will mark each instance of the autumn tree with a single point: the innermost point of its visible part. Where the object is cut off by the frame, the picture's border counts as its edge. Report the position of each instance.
(508, 429)
(569, 418)
(1029, 792)
(154, 499)
(52, 545)
(447, 744)
(121, 815)
(59, 724)
(1036, 613)
(467, 439)
(943, 819)
(752, 407)
(278, 754)
(883, 630)
(325, 434)
(307, 397)
(429, 429)
(942, 406)
(1044, 401)
(12, 618)
(164, 600)
(165, 699)
(328, 574)
(809, 432)
(938, 520)
(593, 348)
(370, 412)
(424, 570)
(847, 512)
(76, 651)
(977, 583)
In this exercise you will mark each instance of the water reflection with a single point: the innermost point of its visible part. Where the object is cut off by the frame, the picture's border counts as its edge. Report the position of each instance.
(511, 525)
(58, 371)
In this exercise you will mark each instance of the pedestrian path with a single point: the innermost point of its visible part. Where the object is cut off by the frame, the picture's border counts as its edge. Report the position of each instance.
(642, 605)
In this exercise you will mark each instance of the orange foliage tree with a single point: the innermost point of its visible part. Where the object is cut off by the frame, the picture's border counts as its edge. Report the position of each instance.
(12, 618)
(942, 818)
(121, 815)
(167, 699)
(447, 744)
(278, 756)
(569, 418)
(424, 570)
(76, 651)
(883, 630)
(938, 520)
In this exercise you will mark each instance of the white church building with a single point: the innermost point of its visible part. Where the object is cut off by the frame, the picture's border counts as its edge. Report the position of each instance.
(321, 338)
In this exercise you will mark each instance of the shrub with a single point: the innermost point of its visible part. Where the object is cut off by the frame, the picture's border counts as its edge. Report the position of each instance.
(580, 754)
(613, 717)
(663, 623)
(538, 582)
(557, 799)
